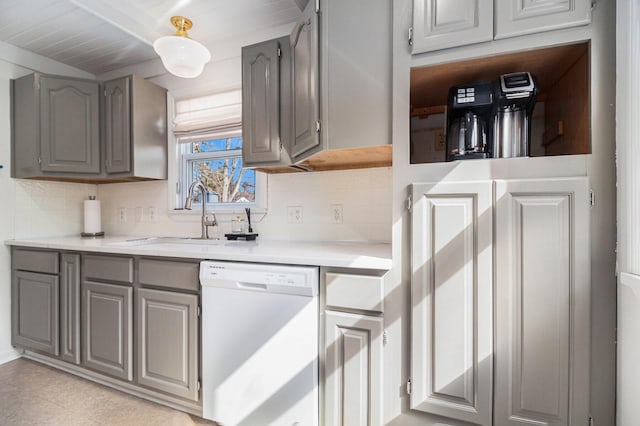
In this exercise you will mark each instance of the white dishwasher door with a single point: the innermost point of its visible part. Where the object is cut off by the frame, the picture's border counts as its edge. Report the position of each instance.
(260, 344)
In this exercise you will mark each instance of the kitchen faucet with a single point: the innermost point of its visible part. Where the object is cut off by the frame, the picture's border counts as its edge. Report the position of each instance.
(205, 221)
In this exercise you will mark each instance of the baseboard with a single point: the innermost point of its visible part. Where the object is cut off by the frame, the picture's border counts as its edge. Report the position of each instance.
(9, 355)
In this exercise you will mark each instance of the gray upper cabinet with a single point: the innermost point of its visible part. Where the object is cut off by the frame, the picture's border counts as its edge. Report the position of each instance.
(107, 335)
(135, 129)
(56, 127)
(167, 342)
(266, 103)
(442, 24)
(306, 99)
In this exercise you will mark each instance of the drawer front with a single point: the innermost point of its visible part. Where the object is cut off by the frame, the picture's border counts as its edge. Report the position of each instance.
(362, 292)
(36, 261)
(171, 274)
(110, 268)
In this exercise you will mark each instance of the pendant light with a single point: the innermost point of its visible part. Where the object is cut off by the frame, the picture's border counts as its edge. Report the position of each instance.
(182, 56)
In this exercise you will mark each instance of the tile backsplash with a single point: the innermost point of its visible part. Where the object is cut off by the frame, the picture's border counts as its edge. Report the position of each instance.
(363, 196)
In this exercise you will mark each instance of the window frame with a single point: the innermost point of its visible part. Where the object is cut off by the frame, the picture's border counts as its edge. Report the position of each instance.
(179, 176)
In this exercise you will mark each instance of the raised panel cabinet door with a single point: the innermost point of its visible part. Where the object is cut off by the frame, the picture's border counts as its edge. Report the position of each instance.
(167, 342)
(452, 299)
(69, 126)
(306, 99)
(261, 103)
(441, 24)
(542, 302)
(353, 369)
(70, 308)
(117, 124)
(518, 17)
(34, 304)
(107, 333)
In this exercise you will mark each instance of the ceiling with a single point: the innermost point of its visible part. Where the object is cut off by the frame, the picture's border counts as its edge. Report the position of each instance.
(100, 36)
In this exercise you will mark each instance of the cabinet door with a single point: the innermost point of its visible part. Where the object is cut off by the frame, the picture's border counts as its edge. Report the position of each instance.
(69, 126)
(107, 336)
(542, 302)
(167, 342)
(517, 17)
(353, 369)
(70, 308)
(117, 126)
(306, 100)
(34, 322)
(261, 103)
(451, 292)
(441, 24)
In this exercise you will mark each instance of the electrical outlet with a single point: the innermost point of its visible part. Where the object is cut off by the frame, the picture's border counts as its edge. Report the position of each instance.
(122, 214)
(294, 214)
(336, 213)
(153, 214)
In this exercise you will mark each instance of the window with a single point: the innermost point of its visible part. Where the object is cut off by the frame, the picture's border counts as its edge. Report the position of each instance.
(216, 161)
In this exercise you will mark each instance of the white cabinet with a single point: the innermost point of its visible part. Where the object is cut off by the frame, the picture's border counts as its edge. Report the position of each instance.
(353, 347)
(353, 369)
(542, 302)
(452, 344)
(442, 24)
(539, 247)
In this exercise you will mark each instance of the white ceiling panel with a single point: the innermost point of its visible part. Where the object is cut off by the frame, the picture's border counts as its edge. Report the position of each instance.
(99, 36)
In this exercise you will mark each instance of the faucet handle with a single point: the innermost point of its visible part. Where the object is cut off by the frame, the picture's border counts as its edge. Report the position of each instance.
(211, 220)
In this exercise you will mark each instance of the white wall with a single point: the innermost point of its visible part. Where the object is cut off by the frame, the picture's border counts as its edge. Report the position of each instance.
(364, 195)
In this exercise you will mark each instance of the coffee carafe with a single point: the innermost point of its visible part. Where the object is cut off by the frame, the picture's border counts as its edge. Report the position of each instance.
(469, 121)
(514, 99)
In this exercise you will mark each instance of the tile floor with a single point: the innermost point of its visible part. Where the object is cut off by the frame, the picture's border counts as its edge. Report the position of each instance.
(35, 394)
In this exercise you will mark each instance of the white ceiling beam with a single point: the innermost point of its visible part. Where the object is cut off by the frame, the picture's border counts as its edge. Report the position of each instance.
(35, 62)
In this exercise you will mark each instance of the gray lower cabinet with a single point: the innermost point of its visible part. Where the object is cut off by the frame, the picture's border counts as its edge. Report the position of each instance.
(167, 342)
(35, 311)
(70, 308)
(107, 335)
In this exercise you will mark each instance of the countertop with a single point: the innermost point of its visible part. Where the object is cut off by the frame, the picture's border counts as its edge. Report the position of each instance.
(336, 254)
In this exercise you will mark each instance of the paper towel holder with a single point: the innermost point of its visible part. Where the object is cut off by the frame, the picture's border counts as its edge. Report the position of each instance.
(92, 234)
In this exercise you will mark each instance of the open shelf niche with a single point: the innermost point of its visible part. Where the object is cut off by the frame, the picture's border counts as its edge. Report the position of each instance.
(560, 121)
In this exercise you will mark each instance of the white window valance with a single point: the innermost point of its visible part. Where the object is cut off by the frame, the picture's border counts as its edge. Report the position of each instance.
(208, 114)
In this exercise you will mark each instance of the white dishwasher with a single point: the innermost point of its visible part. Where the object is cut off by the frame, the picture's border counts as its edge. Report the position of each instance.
(259, 344)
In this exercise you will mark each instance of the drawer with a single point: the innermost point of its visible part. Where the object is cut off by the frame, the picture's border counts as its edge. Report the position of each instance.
(36, 261)
(169, 273)
(110, 268)
(362, 292)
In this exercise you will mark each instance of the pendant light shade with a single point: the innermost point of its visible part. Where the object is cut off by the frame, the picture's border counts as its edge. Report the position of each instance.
(182, 56)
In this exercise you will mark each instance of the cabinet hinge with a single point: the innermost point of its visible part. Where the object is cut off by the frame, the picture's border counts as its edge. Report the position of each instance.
(590, 421)
(39, 160)
(410, 38)
(592, 198)
(384, 337)
(279, 52)
(36, 83)
(199, 311)
(409, 387)
(317, 126)
(198, 385)
(317, 6)
(410, 203)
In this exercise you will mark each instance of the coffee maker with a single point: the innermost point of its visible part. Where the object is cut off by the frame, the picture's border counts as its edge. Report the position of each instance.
(469, 121)
(514, 99)
(491, 119)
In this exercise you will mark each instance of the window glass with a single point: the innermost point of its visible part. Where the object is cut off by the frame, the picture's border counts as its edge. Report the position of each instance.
(217, 163)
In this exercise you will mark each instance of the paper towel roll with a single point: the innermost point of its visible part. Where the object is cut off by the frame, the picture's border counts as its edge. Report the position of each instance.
(92, 220)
